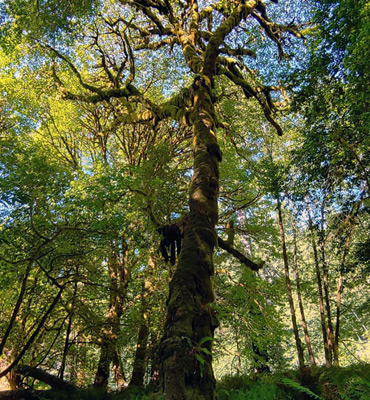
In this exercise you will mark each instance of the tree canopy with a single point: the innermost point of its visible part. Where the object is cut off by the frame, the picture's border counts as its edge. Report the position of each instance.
(184, 198)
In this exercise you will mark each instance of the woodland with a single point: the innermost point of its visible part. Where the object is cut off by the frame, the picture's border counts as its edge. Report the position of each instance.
(184, 199)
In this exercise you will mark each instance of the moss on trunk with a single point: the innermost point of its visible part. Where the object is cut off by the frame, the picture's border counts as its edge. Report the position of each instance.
(186, 349)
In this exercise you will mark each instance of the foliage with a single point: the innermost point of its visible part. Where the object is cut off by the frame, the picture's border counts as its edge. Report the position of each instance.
(343, 383)
(87, 180)
(295, 385)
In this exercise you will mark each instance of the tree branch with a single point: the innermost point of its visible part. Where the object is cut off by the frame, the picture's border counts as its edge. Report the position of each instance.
(33, 336)
(39, 374)
(260, 93)
(238, 255)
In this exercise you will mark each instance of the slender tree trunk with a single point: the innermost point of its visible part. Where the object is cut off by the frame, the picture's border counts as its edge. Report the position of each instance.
(289, 286)
(140, 361)
(68, 332)
(119, 277)
(238, 354)
(119, 375)
(13, 377)
(22, 292)
(299, 294)
(191, 320)
(328, 360)
(73, 364)
(260, 353)
(336, 336)
(17, 305)
(340, 283)
(325, 276)
(155, 360)
(34, 335)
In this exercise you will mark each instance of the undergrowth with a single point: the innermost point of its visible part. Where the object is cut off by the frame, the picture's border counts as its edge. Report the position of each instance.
(350, 383)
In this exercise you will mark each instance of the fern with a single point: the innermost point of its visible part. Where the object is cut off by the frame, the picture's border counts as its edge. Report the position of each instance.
(359, 388)
(295, 385)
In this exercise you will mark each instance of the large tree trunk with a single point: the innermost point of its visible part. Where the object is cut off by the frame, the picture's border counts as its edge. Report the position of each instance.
(289, 285)
(119, 277)
(107, 351)
(140, 360)
(299, 295)
(328, 361)
(186, 348)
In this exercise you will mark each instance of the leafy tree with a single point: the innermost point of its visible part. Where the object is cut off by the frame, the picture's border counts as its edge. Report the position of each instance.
(117, 118)
(333, 158)
(203, 40)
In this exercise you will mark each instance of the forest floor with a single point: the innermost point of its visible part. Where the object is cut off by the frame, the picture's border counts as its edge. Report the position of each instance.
(349, 383)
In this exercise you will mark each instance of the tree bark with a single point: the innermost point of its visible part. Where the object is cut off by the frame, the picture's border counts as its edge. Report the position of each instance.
(225, 245)
(39, 374)
(68, 332)
(13, 378)
(119, 277)
(187, 369)
(328, 361)
(34, 334)
(118, 372)
(140, 361)
(17, 305)
(299, 295)
(340, 282)
(288, 285)
(22, 292)
(325, 277)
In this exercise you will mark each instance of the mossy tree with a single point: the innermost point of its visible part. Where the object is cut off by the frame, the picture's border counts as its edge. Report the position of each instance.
(210, 43)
